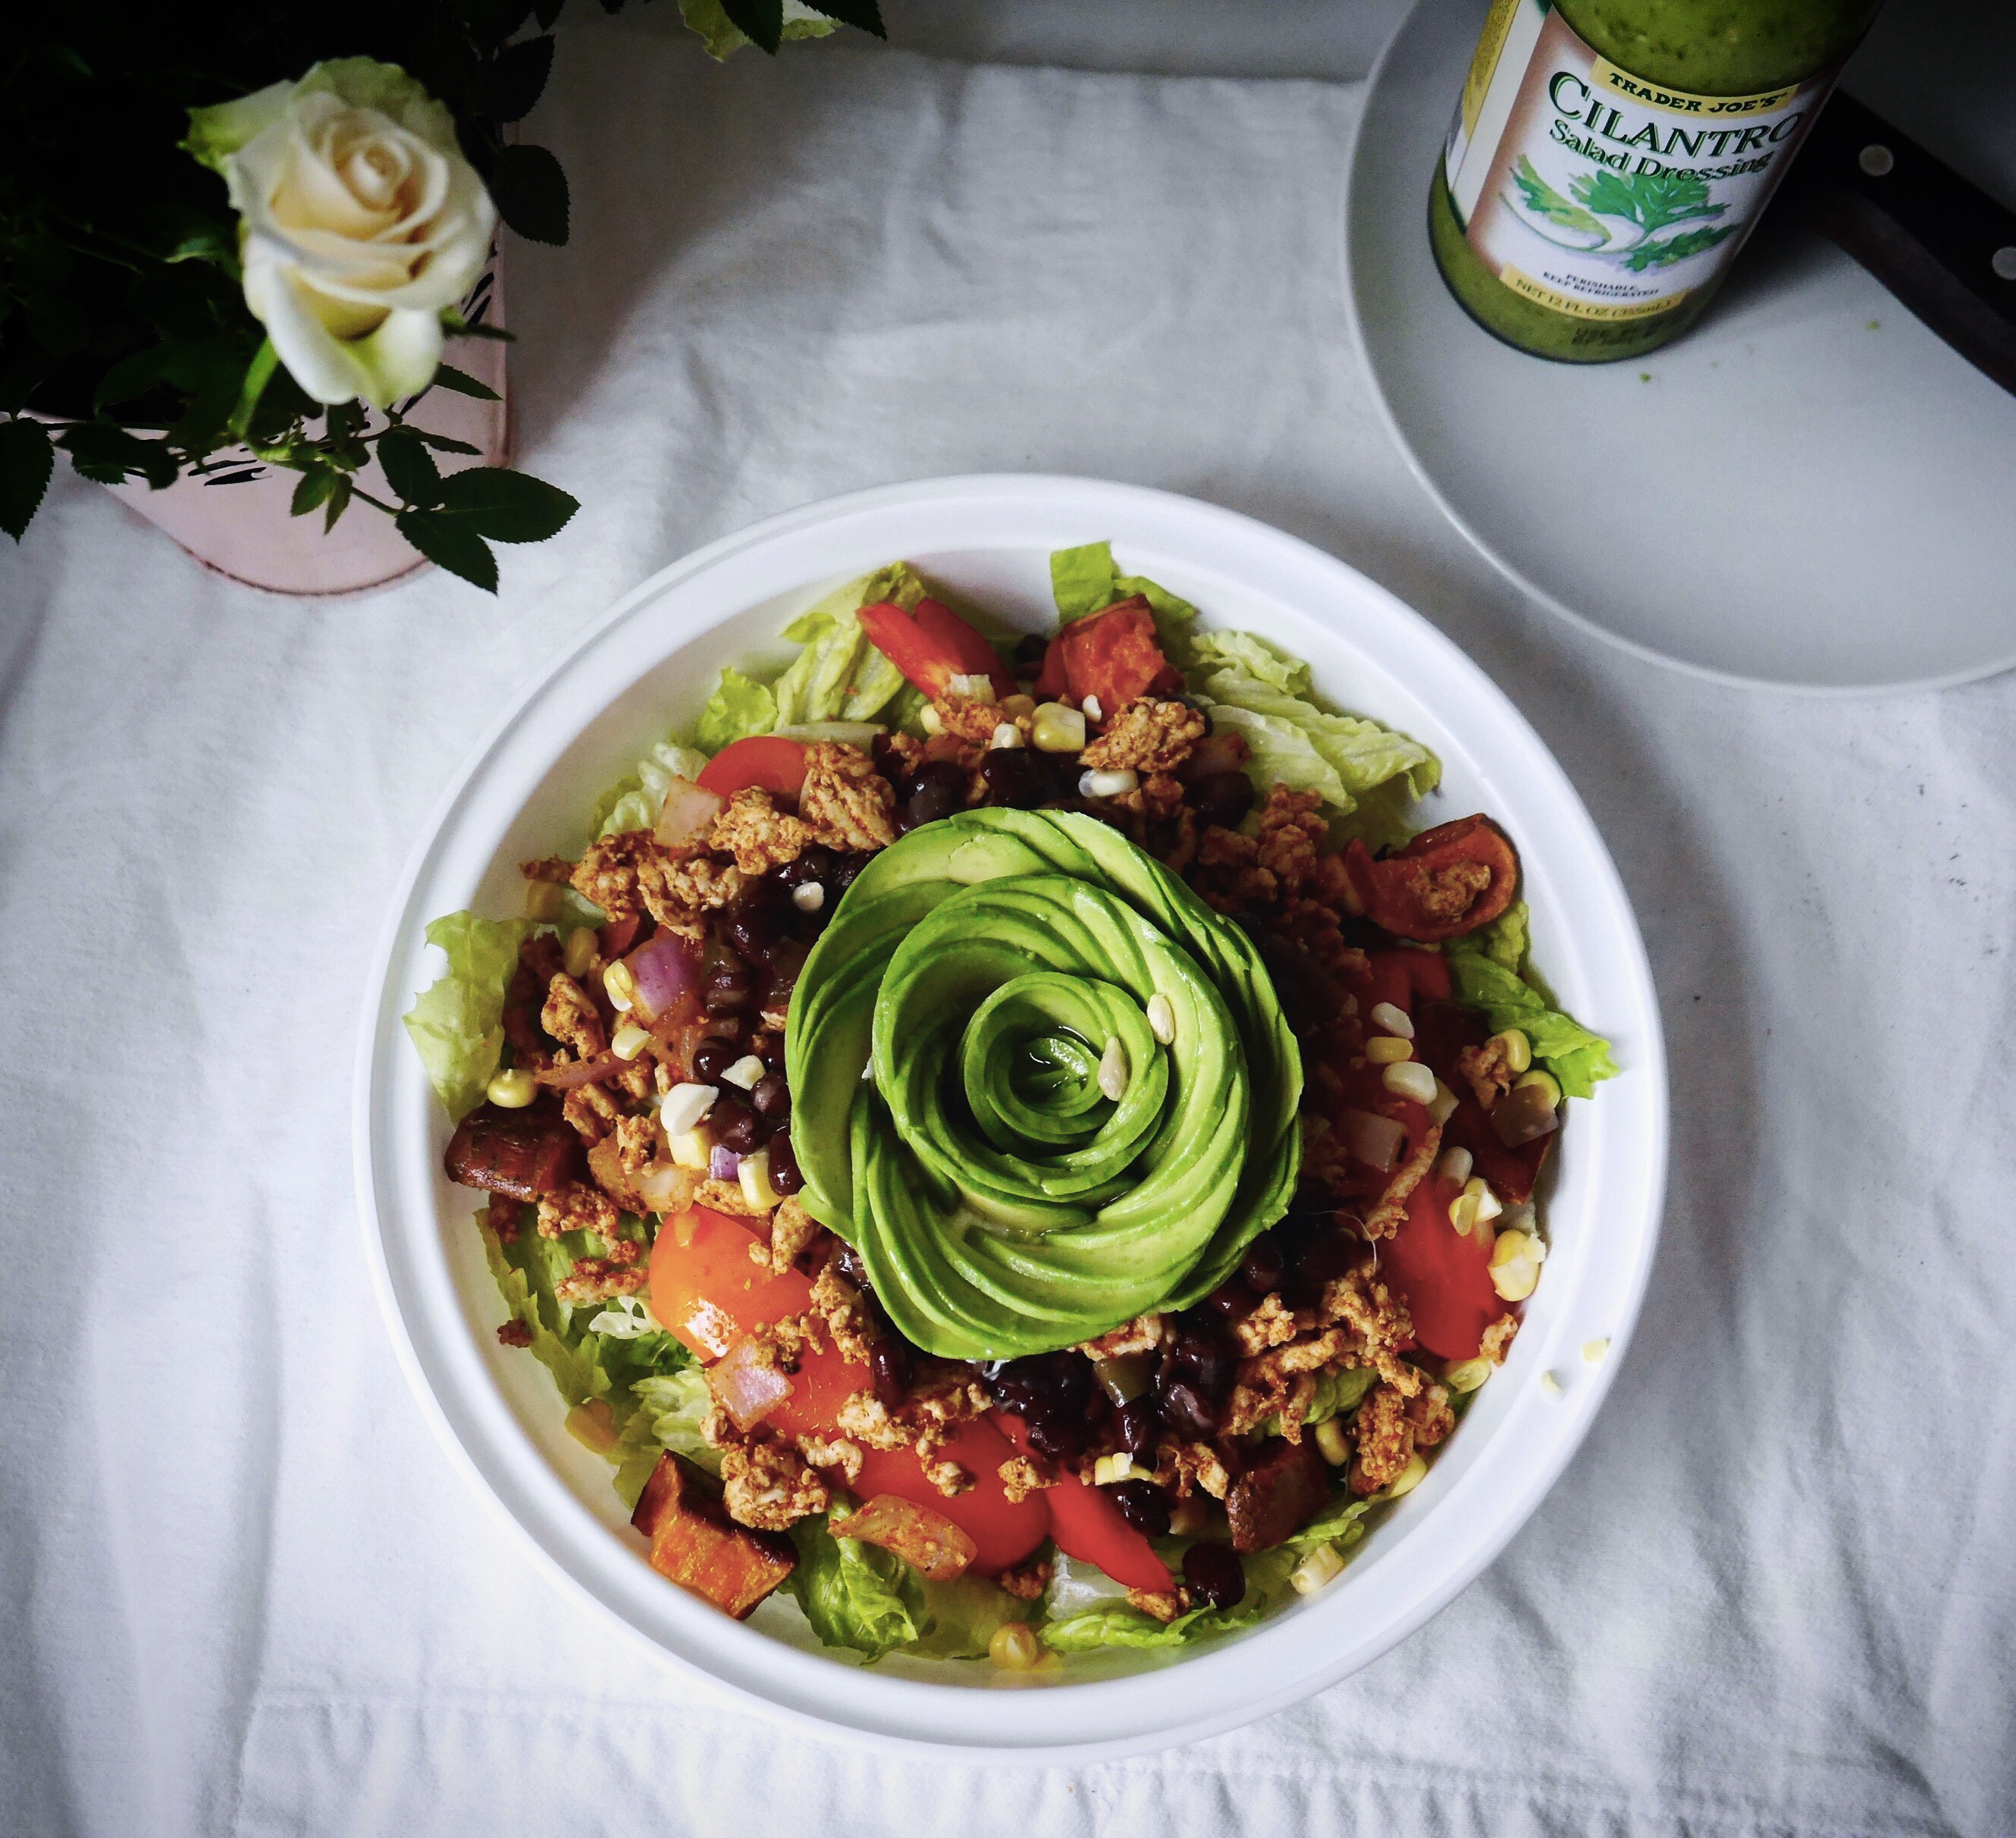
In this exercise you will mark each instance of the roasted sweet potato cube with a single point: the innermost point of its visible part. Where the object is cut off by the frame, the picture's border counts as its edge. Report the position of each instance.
(523, 1154)
(1277, 1496)
(697, 1545)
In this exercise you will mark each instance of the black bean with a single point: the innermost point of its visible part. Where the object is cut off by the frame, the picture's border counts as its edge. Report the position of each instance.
(785, 1175)
(735, 1125)
(713, 1057)
(1216, 1576)
(1232, 1299)
(937, 789)
(1185, 1409)
(1144, 1505)
(1138, 1428)
(846, 871)
(812, 864)
(773, 1100)
(1055, 1436)
(1263, 1265)
(1029, 652)
(1222, 797)
(1015, 778)
(889, 1370)
(754, 930)
(850, 1266)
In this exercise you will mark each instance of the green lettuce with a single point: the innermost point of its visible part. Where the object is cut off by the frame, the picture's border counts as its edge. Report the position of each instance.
(664, 1410)
(1353, 764)
(527, 1268)
(457, 1026)
(840, 676)
(964, 1615)
(1088, 580)
(1118, 1626)
(1341, 1522)
(740, 706)
(632, 802)
(1490, 973)
(856, 1595)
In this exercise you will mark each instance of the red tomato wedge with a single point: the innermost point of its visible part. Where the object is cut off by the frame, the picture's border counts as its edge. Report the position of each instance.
(1448, 880)
(767, 761)
(1113, 655)
(932, 645)
(1088, 1526)
(708, 1294)
(1445, 1274)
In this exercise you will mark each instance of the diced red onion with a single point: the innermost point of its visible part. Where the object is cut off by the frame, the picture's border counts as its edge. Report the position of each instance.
(665, 972)
(688, 808)
(940, 1548)
(583, 1071)
(1374, 1141)
(747, 1386)
(723, 1163)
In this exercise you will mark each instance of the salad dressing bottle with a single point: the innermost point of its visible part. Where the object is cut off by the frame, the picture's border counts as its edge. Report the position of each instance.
(1608, 157)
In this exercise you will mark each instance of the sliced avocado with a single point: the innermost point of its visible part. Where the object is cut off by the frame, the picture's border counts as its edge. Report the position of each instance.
(983, 967)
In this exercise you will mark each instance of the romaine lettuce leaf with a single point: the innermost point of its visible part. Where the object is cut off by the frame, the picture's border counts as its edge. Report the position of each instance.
(856, 1595)
(525, 1273)
(1335, 1393)
(1087, 580)
(632, 803)
(457, 1026)
(1491, 973)
(740, 706)
(840, 676)
(1341, 1522)
(964, 1615)
(1129, 1626)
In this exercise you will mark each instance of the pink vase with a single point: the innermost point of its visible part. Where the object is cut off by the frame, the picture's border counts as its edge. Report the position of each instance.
(248, 531)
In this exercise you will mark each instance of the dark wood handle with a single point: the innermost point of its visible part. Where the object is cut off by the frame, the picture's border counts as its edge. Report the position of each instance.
(1941, 245)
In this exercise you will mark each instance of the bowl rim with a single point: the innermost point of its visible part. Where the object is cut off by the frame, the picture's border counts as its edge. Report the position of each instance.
(1298, 1650)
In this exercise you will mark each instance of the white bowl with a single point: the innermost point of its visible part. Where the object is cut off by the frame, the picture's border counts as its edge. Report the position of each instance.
(646, 668)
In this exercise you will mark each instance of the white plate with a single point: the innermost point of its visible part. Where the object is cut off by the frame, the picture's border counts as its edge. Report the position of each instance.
(645, 667)
(1792, 497)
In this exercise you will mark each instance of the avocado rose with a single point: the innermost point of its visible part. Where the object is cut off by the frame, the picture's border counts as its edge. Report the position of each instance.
(945, 1047)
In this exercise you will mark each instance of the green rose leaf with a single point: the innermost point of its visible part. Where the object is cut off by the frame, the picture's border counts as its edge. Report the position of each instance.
(517, 79)
(410, 469)
(450, 542)
(507, 506)
(448, 376)
(531, 193)
(27, 459)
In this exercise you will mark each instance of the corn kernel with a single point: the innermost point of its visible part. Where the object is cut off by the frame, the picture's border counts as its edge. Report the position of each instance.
(1162, 1017)
(809, 896)
(619, 986)
(1544, 1081)
(1387, 1050)
(1116, 783)
(1055, 728)
(691, 1150)
(1407, 1479)
(747, 1071)
(1092, 710)
(1332, 1444)
(1466, 1374)
(628, 1040)
(512, 1091)
(1394, 1020)
(1322, 1565)
(754, 1175)
(1442, 1106)
(1551, 1384)
(579, 954)
(682, 1108)
(1462, 1213)
(930, 720)
(1006, 735)
(1487, 1205)
(1015, 1648)
(1110, 1470)
(1516, 1047)
(1595, 1352)
(544, 901)
(977, 688)
(1455, 1165)
(1409, 1079)
(1515, 1271)
(593, 1424)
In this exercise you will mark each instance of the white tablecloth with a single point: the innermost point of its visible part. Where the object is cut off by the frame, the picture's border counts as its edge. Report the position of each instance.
(243, 1591)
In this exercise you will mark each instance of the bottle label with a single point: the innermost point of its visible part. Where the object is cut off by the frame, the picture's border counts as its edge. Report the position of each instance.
(1596, 193)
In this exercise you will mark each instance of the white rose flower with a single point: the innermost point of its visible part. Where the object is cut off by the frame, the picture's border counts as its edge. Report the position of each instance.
(359, 222)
